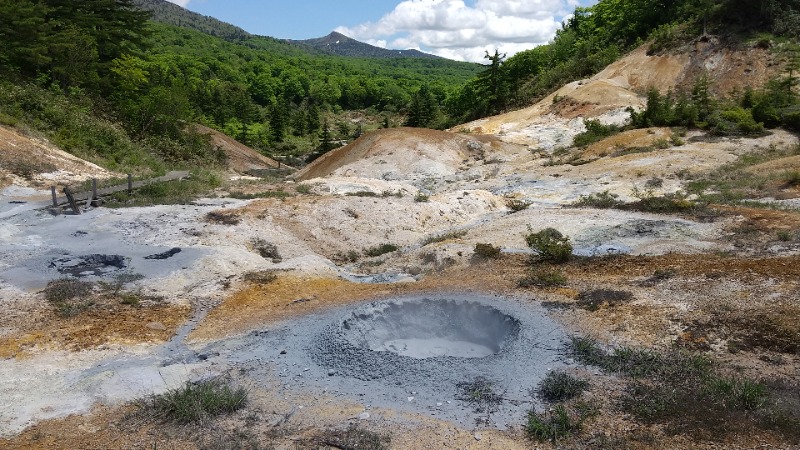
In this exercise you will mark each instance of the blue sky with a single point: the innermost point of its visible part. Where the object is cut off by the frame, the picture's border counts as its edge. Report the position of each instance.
(456, 29)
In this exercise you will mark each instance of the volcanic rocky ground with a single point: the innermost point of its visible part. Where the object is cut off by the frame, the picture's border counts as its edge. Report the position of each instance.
(280, 294)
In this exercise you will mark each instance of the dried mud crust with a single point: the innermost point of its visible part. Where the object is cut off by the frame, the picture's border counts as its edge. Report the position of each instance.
(670, 293)
(37, 329)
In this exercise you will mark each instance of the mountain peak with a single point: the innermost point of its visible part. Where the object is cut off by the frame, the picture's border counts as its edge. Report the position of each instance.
(337, 43)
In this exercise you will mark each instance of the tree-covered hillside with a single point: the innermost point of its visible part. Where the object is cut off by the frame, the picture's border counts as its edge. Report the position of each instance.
(154, 78)
(98, 76)
(163, 11)
(598, 35)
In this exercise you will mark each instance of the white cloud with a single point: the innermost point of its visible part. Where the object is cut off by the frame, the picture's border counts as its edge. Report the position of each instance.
(457, 30)
(183, 3)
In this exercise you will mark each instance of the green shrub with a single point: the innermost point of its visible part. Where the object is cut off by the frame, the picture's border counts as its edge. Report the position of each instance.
(595, 131)
(559, 386)
(303, 188)
(487, 250)
(667, 203)
(197, 402)
(7, 120)
(381, 250)
(422, 197)
(735, 121)
(550, 245)
(600, 200)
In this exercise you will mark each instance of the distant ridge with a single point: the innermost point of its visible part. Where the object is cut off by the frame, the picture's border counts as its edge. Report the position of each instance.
(341, 45)
(172, 14)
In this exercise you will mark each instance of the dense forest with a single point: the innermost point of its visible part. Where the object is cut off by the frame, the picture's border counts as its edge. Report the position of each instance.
(119, 85)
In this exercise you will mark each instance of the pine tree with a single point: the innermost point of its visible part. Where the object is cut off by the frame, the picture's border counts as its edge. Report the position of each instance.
(423, 111)
(492, 82)
(326, 143)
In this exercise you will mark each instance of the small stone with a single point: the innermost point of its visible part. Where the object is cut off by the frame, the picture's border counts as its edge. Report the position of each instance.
(331, 373)
(306, 369)
(438, 404)
(411, 399)
(363, 416)
(478, 436)
(283, 352)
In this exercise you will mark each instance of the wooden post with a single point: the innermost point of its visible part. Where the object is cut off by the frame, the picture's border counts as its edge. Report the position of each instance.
(53, 192)
(71, 198)
(89, 201)
(94, 188)
(130, 183)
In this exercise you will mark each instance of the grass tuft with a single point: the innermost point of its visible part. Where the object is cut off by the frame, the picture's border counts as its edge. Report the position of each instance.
(197, 402)
(559, 386)
(552, 425)
(69, 296)
(482, 395)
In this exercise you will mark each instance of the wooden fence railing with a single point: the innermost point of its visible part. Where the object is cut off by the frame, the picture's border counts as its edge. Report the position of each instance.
(73, 199)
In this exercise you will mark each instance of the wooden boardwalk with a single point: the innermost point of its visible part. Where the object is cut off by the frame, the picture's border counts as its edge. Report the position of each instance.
(82, 197)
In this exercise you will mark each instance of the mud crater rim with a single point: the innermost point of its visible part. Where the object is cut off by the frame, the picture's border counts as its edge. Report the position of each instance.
(430, 328)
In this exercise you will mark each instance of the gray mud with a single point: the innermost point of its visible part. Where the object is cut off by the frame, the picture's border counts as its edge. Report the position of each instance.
(339, 353)
(36, 247)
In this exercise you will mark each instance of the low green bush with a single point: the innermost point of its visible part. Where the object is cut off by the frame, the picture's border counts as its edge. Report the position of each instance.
(595, 131)
(600, 200)
(487, 251)
(381, 250)
(550, 245)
